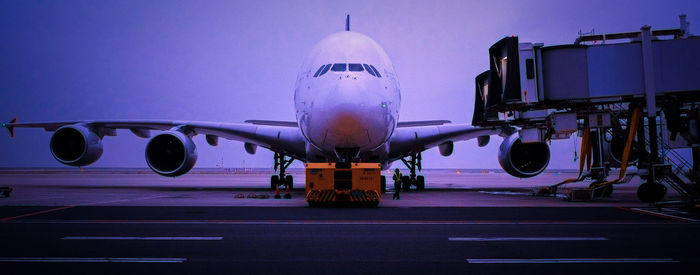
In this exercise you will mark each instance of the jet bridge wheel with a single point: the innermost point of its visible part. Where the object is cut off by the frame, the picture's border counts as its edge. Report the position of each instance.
(651, 192)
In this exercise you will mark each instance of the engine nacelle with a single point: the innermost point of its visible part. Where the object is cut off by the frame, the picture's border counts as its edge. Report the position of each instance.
(76, 145)
(523, 160)
(171, 154)
(614, 146)
(446, 148)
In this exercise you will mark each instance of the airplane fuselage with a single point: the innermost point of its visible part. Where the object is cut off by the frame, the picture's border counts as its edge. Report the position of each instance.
(347, 96)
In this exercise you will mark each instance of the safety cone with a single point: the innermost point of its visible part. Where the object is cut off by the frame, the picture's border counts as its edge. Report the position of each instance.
(277, 192)
(287, 195)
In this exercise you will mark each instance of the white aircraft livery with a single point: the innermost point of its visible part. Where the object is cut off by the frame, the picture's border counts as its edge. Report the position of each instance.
(347, 101)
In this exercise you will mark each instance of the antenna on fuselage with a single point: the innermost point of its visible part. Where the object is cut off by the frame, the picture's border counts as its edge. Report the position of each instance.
(347, 23)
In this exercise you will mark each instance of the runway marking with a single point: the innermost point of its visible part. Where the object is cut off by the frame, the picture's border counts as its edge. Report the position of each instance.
(571, 261)
(122, 200)
(657, 214)
(71, 206)
(341, 222)
(144, 238)
(38, 212)
(95, 260)
(501, 239)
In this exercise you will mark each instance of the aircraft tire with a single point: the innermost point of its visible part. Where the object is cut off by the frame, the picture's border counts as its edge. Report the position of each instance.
(274, 181)
(420, 182)
(382, 184)
(406, 182)
(289, 181)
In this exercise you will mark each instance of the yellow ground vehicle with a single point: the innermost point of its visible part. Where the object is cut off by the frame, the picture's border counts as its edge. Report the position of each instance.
(354, 183)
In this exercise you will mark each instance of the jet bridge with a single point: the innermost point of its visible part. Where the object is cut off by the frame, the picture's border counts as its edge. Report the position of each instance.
(594, 84)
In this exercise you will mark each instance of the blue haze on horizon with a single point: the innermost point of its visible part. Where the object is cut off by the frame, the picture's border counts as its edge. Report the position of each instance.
(231, 61)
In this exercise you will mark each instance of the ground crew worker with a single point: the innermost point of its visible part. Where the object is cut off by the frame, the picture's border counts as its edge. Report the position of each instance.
(397, 184)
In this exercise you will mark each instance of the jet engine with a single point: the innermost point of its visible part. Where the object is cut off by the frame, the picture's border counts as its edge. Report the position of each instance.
(613, 147)
(171, 154)
(76, 145)
(523, 160)
(446, 148)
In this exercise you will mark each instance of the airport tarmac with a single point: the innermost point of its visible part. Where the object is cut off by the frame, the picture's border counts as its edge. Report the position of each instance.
(448, 188)
(482, 223)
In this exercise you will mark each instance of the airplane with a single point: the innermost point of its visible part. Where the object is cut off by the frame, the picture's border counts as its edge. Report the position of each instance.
(347, 101)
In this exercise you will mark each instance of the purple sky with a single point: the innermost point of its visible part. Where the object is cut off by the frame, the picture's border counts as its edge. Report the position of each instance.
(236, 60)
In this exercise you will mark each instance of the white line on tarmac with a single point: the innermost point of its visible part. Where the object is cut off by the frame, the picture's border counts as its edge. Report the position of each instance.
(571, 261)
(506, 239)
(95, 260)
(144, 238)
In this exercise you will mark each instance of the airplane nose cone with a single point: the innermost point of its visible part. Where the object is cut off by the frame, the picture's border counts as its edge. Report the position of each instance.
(355, 117)
(348, 127)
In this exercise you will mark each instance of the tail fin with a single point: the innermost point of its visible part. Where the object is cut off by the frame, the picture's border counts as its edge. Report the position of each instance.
(347, 23)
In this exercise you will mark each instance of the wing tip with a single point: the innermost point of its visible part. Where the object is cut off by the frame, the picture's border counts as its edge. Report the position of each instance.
(10, 127)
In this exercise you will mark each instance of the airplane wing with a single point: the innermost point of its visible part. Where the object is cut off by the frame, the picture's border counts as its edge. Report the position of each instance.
(409, 140)
(403, 124)
(273, 123)
(282, 139)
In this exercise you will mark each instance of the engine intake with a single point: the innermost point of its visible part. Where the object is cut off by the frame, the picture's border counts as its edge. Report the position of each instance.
(75, 145)
(523, 160)
(171, 154)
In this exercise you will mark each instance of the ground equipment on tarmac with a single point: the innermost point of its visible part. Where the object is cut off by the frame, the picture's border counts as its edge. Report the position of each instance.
(354, 184)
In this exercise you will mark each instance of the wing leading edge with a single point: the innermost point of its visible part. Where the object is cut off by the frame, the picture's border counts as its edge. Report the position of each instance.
(409, 140)
(283, 139)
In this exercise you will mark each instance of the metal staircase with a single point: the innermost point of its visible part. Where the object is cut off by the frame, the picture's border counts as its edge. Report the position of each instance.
(681, 178)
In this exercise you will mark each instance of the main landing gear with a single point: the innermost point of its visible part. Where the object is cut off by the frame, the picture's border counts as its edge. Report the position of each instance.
(413, 162)
(282, 162)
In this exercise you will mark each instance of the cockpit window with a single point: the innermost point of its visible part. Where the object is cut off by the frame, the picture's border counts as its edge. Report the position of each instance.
(338, 67)
(325, 70)
(322, 70)
(375, 71)
(354, 67)
(319, 70)
(368, 69)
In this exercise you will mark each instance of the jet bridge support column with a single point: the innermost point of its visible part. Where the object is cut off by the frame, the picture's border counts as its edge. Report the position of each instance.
(599, 170)
(650, 93)
(652, 190)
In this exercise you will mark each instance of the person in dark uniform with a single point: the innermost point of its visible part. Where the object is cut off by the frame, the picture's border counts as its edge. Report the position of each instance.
(397, 184)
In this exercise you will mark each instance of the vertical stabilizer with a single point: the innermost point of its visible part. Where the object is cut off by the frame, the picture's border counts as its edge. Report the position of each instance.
(347, 23)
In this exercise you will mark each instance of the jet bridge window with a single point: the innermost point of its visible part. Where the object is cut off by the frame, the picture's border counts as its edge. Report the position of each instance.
(353, 67)
(338, 67)
(321, 71)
